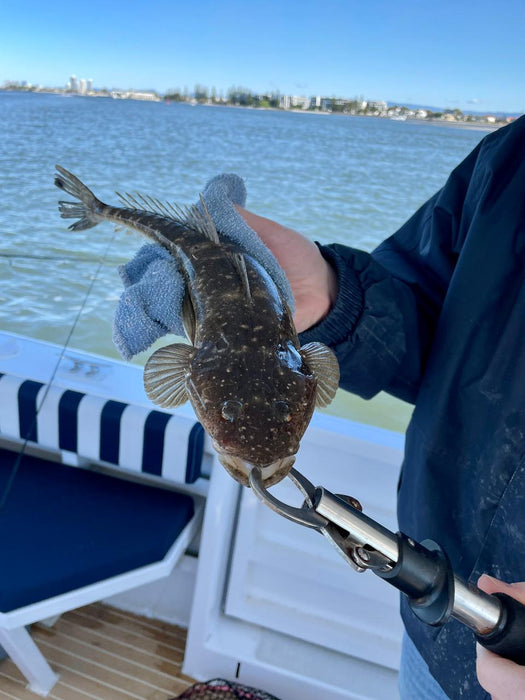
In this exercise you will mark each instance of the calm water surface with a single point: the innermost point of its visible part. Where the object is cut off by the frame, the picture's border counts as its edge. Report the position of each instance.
(334, 178)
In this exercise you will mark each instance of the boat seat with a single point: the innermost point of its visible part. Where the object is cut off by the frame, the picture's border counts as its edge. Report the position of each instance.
(72, 536)
(70, 528)
(86, 427)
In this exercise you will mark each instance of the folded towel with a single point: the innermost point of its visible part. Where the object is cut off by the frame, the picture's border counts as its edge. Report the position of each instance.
(151, 304)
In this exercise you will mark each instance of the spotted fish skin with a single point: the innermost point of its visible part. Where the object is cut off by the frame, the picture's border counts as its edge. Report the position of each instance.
(252, 386)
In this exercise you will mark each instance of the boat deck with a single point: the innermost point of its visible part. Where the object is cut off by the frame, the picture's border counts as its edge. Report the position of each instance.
(102, 653)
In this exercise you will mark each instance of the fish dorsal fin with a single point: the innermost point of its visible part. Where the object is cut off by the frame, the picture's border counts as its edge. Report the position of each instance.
(188, 316)
(145, 203)
(204, 221)
(192, 217)
(239, 264)
(323, 363)
(165, 375)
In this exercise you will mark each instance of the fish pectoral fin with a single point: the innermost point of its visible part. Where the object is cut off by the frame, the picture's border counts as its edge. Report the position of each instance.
(323, 363)
(165, 375)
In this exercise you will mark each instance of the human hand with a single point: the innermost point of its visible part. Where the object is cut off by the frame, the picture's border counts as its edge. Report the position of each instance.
(503, 679)
(312, 279)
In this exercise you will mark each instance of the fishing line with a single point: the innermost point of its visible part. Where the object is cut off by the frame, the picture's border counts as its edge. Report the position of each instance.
(53, 258)
(16, 466)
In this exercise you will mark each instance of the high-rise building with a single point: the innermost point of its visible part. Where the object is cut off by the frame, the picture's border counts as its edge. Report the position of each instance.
(90, 85)
(83, 86)
(73, 83)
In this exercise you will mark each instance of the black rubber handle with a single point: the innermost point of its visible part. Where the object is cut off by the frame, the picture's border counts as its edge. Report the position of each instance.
(508, 637)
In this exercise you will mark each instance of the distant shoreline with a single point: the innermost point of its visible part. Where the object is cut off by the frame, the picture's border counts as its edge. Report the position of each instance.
(458, 125)
(471, 126)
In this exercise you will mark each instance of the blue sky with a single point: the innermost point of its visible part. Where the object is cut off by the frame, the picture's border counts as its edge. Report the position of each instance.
(461, 53)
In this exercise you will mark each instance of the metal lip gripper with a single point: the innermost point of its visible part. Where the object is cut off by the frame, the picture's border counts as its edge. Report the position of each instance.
(421, 571)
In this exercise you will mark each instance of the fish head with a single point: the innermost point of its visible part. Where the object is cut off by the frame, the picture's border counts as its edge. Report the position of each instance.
(256, 406)
(255, 403)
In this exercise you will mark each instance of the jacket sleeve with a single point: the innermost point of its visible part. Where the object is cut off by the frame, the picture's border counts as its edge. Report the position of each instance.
(389, 301)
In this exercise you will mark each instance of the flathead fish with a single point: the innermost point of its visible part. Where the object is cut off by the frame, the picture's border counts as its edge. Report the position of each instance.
(252, 386)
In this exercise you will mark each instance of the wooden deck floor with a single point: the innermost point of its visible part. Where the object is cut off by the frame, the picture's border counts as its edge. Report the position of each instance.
(105, 654)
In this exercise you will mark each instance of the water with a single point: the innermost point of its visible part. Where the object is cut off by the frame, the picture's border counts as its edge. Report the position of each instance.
(334, 178)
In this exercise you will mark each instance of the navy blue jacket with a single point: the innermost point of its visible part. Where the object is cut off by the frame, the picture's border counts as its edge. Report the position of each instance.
(436, 316)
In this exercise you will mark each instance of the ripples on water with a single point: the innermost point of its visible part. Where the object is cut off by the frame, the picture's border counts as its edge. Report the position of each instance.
(334, 178)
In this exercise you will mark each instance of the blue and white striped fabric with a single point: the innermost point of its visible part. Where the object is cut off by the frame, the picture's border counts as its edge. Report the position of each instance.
(95, 428)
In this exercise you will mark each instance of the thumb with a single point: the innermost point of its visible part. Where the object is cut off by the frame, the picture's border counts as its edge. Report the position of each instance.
(489, 584)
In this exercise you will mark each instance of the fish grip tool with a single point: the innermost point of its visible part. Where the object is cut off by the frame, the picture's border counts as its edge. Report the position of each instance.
(421, 571)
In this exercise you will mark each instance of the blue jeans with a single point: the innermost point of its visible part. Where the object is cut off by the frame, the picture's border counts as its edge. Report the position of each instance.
(415, 680)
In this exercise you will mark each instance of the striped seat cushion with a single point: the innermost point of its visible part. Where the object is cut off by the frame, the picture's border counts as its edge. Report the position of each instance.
(96, 428)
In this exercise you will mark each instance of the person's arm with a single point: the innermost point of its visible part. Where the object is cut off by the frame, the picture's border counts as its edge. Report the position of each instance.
(377, 311)
(502, 678)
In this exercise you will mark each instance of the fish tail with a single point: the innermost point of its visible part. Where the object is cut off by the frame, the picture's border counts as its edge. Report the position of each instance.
(87, 209)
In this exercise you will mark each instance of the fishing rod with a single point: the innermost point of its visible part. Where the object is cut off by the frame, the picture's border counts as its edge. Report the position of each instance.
(421, 571)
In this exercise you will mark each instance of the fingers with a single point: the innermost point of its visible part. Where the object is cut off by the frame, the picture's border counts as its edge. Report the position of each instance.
(493, 585)
(283, 241)
(502, 678)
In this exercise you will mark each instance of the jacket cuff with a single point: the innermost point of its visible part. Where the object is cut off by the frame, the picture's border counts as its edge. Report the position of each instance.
(346, 312)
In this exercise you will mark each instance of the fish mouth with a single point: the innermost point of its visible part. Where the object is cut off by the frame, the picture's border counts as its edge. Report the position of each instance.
(272, 473)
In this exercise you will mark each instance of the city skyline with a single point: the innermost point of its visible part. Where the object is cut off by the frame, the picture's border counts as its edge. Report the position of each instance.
(468, 57)
(202, 94)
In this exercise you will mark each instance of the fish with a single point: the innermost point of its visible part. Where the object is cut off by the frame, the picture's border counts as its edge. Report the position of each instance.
(252, 386)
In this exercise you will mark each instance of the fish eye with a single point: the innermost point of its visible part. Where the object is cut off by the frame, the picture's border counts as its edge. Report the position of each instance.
(231, 410)
(282, 411)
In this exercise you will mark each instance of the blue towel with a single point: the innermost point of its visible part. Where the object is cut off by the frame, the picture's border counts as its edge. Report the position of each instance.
(151, 304)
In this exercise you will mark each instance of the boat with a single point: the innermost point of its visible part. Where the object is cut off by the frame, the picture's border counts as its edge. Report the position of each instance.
(265, 602)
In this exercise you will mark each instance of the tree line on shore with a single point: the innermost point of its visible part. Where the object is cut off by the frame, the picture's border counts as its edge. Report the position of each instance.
(244, 97)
